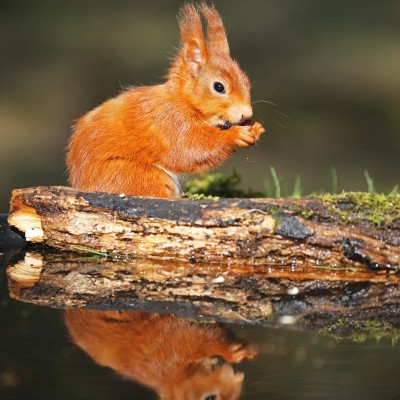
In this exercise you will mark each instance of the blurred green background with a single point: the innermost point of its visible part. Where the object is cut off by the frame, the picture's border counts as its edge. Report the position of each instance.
(331, 67)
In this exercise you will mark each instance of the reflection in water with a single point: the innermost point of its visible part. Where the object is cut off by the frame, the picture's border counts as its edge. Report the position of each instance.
(179, 359)
(167, 353)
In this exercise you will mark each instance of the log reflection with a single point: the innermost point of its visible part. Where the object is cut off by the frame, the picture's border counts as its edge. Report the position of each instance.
(177, 358)
(315, 299)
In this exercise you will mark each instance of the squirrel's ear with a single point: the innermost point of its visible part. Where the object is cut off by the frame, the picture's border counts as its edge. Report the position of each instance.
(216, 35)
(193, 41)
(194, 56)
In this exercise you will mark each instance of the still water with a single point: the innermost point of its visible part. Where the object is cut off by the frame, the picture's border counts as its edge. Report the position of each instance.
(39, 359)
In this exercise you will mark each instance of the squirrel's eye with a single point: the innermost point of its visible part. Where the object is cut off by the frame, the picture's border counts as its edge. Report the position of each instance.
(219, 87)
(212, 397)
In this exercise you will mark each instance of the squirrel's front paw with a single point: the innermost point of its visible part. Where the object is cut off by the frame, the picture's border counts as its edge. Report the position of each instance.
(248, 134)
(240, 351)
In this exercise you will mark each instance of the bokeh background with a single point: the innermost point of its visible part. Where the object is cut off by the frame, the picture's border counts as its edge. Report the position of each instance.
(331, 68)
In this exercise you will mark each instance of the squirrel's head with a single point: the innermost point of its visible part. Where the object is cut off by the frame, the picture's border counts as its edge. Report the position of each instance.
(209, 79)
(211, 378)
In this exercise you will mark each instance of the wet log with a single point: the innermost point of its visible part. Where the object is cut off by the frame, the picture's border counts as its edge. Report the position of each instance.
(259, 295)
(351, 230)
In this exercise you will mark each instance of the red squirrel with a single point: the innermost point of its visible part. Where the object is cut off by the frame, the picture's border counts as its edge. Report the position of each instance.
(137, 142)
(179, 359)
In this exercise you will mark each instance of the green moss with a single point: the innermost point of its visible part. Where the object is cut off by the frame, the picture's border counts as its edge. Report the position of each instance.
(218, 184)
(200, 196)
(278, 220)
(351, 207)
(358, 330)
(307, 214)
(379, 209)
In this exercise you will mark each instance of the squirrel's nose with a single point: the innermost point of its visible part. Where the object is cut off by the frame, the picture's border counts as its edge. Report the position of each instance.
(246, 117)
(247, 113)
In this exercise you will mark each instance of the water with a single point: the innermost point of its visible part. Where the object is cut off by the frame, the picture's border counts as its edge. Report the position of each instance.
(38, 360)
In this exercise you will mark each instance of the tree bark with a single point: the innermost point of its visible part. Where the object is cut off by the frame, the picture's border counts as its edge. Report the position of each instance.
(334, 232)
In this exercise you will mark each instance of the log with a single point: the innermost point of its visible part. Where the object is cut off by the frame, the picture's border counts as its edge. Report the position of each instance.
(349, 230)
(316, 299)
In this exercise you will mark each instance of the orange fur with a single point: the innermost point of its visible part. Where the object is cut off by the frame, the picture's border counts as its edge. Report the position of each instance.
(176, 358)
(136, 142)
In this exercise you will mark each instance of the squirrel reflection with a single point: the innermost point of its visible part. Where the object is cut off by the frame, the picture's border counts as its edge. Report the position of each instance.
(179, 359)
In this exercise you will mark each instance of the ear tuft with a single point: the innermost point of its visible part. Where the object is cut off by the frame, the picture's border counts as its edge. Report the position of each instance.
(216, 34)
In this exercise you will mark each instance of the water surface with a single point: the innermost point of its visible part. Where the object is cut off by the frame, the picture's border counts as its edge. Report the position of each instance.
(39, 361)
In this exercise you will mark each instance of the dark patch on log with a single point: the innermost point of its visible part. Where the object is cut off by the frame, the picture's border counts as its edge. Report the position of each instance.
(290, 307)
(184, 210)
(290, 227)
(352, 249)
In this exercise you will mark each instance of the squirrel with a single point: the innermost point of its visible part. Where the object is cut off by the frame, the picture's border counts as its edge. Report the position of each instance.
(137, 142)
(177, 358)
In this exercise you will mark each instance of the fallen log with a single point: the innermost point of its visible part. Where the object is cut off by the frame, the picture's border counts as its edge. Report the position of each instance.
(314, 299)
(351, 230)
